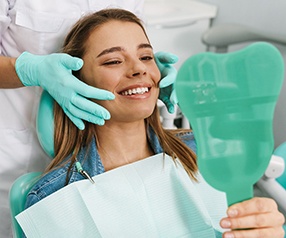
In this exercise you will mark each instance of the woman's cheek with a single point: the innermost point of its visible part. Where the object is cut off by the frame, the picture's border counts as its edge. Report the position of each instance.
(105, 81)
(156, 77)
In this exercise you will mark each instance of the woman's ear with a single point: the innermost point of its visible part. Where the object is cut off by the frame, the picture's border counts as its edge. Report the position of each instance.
(45, 123)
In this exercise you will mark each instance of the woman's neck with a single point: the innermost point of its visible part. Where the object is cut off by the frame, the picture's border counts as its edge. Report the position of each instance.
(120, 144)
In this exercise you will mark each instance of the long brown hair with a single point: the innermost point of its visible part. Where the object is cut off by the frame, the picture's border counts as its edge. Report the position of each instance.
(68, 139)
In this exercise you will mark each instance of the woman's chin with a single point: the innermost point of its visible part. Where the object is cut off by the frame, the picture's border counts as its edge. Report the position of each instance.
(132, 116)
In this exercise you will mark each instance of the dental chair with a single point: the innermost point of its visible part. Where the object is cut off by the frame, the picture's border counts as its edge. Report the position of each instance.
(244, 21)
(23, 184)
(17, 195)
(21, 187)
(221, 36)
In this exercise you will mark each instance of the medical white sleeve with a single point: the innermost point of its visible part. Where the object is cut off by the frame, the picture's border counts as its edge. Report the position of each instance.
(4, 20)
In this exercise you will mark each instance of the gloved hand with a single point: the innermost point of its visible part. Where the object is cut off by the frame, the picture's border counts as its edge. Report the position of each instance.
(53, 73)
(167, 94)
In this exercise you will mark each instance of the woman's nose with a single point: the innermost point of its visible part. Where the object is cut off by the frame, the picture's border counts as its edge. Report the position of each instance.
(137, 68)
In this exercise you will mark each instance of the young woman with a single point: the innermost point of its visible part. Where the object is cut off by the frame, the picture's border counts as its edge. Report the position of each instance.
(119, 58)
(25, 63)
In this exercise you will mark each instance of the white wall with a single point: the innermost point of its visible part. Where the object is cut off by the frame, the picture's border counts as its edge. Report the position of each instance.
(177, 26)
(267, 16)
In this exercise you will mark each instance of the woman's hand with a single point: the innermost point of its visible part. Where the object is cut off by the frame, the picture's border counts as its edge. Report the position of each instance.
(257, 217)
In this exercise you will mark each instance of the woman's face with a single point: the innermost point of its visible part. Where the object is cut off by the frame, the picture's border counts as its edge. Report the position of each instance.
(120, 59)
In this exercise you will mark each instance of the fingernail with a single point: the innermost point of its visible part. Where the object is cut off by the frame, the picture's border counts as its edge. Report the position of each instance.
(79, 63)
(100, 123)
(106, 116)
(81, 126)
(225, 224)
(175, 58)
(228, 235)
(111, 96)
(232, 213)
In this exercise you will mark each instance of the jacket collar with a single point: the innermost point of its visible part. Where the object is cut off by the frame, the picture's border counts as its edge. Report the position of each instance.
(91, 162)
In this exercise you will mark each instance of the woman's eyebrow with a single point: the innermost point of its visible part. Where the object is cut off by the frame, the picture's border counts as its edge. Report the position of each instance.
(110, 50)
(145, 45)
(118, 48)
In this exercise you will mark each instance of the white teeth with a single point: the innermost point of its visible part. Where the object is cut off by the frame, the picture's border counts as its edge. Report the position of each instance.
(135, 91)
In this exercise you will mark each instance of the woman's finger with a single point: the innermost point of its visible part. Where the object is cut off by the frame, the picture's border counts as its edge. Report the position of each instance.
(277, 232)
(252, 206)
(261, 220)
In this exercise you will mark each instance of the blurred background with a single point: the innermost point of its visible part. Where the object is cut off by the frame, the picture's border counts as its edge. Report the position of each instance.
(187, 27)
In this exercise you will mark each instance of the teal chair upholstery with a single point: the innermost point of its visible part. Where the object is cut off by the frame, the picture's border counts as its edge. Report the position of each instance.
(22, 185)
(17, 196)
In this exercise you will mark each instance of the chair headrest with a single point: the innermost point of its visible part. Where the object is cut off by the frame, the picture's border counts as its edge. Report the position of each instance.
(45, 123)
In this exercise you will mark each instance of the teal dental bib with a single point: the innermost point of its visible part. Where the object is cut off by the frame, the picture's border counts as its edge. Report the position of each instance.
(229, 100)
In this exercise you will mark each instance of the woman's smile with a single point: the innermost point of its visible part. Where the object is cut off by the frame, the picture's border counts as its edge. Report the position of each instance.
(136, 91)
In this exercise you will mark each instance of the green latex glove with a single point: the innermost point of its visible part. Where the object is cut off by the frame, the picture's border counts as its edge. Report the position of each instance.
(229, 100)
(53, 73)
(167, 94)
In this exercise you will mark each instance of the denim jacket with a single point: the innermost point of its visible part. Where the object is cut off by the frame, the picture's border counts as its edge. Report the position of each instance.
(92, 164)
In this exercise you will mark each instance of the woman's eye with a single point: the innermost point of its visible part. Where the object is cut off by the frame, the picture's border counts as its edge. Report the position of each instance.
(112, 62)
(146, 58)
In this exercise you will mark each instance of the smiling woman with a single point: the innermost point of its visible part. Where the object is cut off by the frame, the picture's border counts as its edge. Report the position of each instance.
(118, 57)
(124, 64)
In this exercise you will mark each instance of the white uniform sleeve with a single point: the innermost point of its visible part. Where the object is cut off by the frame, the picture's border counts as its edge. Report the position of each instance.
(4, 20)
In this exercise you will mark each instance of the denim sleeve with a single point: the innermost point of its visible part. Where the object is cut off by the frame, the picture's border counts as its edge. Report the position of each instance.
(31, 200)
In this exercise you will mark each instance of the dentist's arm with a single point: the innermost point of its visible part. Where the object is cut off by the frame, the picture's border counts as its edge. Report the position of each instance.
(8, 76)
(53, 73)
(257, 217)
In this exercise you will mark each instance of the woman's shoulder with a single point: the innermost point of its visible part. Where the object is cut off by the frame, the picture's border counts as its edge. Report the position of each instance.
(64, 175)
(48, 184)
